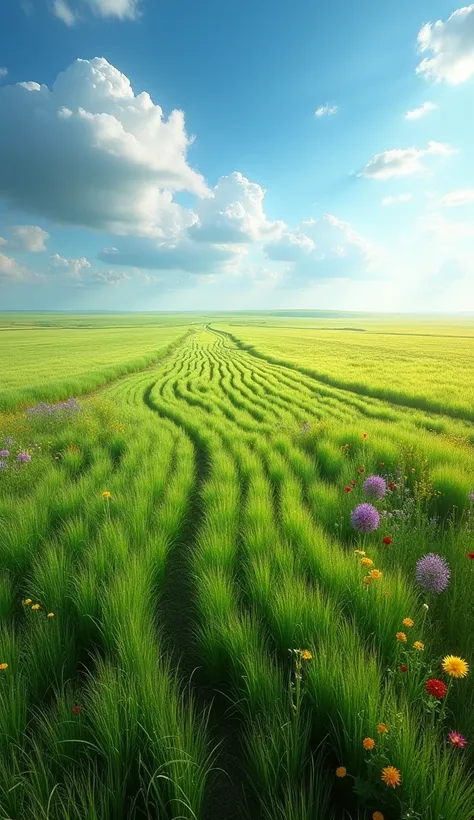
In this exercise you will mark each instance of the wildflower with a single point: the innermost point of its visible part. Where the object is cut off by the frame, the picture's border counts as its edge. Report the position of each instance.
(359, 552)
(401, 637)
(27, 601)
(35, 607)
(391, 486)
(425, 607)
(403, 668)
(382, 729)
(3, 666)
(361, 469)
(353, 483)
(76, 709)
(455, 667)
(436, 688)
(470, 555)
(413, 469)
(386, 539)
(106, 494)
(364, 435)
(50, 615)
(419, 646)
(4, 453)
(3, 464)
(375, 487)
(377, 815)
(470, 496)
(348, 489)
(365, 518)
(366, 562)
(432, 572)
(382, 464)
(306, 655)
(375, 574)
(341, 771)
(368, 743)
(391, 776)
(367, 580)
(23, 457)
(408, 622)
(457, 740)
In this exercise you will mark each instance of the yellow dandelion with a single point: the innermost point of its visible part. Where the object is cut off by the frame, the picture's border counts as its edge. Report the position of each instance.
(106, 494)
(400, 636)
(455, 667)
(341, 771)
(408, 622)
(391, 776)
(3, 666)
(366, 562)
(35, 607)
(368, 743)
(375, 574)
(50, 615)
(382, 729)
(419, 645)
(27, 601)
(306, 655)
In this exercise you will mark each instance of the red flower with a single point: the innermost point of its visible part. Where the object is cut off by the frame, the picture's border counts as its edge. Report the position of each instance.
(470, 555)
(391, 486)
(353, 483)
(386, 539)
(361, 469)
(403, 668)
(436, 688)
(349, 490)
(76, 709)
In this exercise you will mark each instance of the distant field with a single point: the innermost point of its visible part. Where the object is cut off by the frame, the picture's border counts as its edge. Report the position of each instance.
(391, 361)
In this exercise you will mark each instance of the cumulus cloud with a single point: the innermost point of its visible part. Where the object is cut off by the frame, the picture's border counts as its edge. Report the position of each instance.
(62, 10)
(463, 196)
(90, 152)
(70, 12)
(78, 272)
(421, 111)
(185, 255)
(233, 213)
(397, 199)
(27, 238)
(451, 43)
(12, 271)
(403, 162)
(326, 110)
(3, 72)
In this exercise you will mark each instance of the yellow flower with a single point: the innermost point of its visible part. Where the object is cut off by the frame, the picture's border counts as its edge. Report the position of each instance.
(375, 574)
(368, 743)
(341, 771)
(359, 552)
(27, 601)
(408, 622)
(367, 580)
(366, 562)
(106, 494)
(382, 729)
(455, 667)
(400, 636)
(3, 666)
(306, 655)
(419, 645)
(391, 776)
(35, 607)
(377, 815)
(50, 615)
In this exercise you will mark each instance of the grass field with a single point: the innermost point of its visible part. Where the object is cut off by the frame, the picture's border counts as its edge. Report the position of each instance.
(192, 623)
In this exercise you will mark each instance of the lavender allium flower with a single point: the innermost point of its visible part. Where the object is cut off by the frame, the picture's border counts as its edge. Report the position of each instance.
(432, 572)
(365, 518)
(4, 453)
(23, 457)
(3, 465)
(375, 486)
(56, 411)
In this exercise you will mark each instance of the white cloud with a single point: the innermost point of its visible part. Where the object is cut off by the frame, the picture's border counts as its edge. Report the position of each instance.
(403, 162)
(80, 273)
(326, 110)
(3, 72)
(185, 255)
(451, 43)
(71, 267)
(233, 213)
(28, 238)
(12, 271)
(417, 113)
(122, 9)
(90, 152)
(463, 196)
(396, 199)
(447, 230)
(62, 10)
(290, 247)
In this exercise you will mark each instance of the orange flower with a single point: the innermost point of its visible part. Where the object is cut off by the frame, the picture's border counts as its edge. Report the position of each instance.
(3, 666)
(391, 776)
(368, 743)
(366, 562)
(382, 729)
(375, 574)
(408, 622)
(400, 636)
(341, 771)
(377, 815)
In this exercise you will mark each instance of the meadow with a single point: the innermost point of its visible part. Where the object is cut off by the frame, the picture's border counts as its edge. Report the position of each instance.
(215, 600)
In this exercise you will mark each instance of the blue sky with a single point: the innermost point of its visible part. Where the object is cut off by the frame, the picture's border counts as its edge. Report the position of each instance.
(283, 171)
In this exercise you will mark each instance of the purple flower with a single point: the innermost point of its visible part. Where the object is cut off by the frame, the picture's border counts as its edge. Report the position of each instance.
(4, 453)
(365, 518)
(3, 465)
(55, 410)
(432, 572)
(375, 486)
(23, 457)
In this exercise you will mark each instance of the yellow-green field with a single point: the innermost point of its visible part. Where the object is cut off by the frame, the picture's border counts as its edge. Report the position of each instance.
(197, 620)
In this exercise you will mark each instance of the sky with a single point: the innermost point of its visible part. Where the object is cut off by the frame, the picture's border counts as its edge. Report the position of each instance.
(259, 154)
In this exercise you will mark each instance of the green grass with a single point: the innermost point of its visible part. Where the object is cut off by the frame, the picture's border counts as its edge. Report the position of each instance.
(169, 681)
